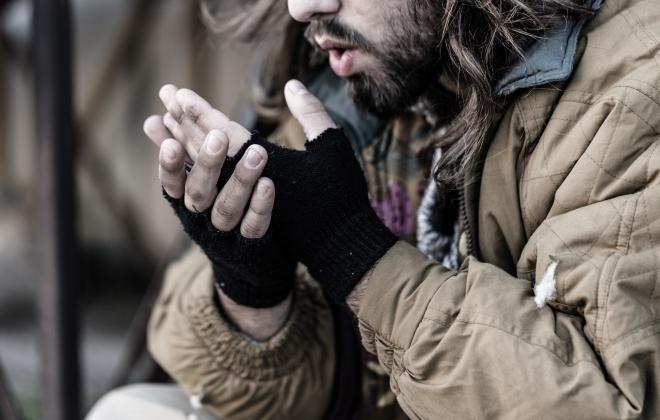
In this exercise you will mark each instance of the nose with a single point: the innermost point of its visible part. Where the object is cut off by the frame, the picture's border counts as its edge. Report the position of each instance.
(304, 10)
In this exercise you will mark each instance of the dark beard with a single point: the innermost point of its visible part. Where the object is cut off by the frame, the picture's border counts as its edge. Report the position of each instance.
(408, 58)
(393, 90)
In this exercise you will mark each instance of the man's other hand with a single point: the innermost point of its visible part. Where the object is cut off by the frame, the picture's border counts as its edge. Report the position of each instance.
(193, 131)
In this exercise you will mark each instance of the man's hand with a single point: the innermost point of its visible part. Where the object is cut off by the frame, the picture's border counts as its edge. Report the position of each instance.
(198, 187)
(323, 215)
(201, 132)
(312, 116)
(193, 131)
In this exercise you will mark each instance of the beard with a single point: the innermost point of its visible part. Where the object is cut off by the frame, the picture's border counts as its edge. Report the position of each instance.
(408, 59)
(395, 88)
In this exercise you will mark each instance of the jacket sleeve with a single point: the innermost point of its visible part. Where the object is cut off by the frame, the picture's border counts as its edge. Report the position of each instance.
(473, 343)
(235, 377)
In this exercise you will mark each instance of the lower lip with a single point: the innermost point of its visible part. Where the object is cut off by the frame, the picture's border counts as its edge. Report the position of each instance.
(342, 62)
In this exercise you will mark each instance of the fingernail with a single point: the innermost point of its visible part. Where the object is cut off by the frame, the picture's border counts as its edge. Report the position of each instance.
(296, 87)
(263, 190)
(253, 159)
(169, 152)
(163, 91)
(213, 144)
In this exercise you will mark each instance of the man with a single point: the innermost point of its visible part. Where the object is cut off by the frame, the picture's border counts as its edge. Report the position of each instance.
(547, 305)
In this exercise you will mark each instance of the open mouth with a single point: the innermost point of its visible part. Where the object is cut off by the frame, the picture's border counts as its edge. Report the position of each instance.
(342, 55)
(342, 61)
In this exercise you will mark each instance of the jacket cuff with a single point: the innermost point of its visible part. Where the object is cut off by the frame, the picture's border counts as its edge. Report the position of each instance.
(399, 290)
(258, 361)
(236, 377)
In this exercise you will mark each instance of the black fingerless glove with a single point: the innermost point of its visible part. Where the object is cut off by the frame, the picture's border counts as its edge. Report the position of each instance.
(322, 212)
(252, 272)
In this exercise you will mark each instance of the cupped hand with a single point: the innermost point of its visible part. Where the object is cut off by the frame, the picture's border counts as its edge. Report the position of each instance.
(231, 225)
(194, 133)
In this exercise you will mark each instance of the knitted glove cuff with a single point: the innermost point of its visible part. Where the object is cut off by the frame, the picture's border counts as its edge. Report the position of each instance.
(252, 272)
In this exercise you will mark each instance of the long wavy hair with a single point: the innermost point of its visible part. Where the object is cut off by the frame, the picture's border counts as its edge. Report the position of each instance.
(477, 40)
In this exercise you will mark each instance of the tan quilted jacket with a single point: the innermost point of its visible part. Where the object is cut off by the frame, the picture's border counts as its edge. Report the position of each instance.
(568, 195)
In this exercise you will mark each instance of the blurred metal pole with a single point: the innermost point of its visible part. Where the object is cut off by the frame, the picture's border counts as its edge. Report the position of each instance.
(8, 409)
(6, 57)
(57, 210)
(4, 130)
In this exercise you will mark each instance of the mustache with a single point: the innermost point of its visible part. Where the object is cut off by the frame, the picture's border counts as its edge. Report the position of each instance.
(337, 30)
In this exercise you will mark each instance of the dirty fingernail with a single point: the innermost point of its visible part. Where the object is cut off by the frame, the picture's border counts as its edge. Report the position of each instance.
(253, 158)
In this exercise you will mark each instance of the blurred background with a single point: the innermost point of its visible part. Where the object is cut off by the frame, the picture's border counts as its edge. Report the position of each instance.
(122, 52)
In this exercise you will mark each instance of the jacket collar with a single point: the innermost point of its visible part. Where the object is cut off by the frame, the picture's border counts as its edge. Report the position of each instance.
(550, 59)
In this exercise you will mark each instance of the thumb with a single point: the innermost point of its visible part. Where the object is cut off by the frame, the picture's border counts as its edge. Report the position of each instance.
(307, 109)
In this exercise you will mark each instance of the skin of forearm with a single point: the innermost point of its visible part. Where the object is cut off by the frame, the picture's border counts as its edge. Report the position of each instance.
(263, 323)
(259, 324)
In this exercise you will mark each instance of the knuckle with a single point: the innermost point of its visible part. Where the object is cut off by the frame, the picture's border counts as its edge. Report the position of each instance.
(169, 167)
(173, 188)
(313, 108)
(195, 194)
(252, 229)
(170, 177)
(163, 163)
(266, 189)
(311, 113)
(207, 161)
(177, 113)
(189, 120)
(193, 114)
(168, 184)
(196, 207)
(223, 216)
(261, 207)
(243, 178)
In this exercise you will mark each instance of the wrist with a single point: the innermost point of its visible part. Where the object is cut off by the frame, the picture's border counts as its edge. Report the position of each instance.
(259, 323)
